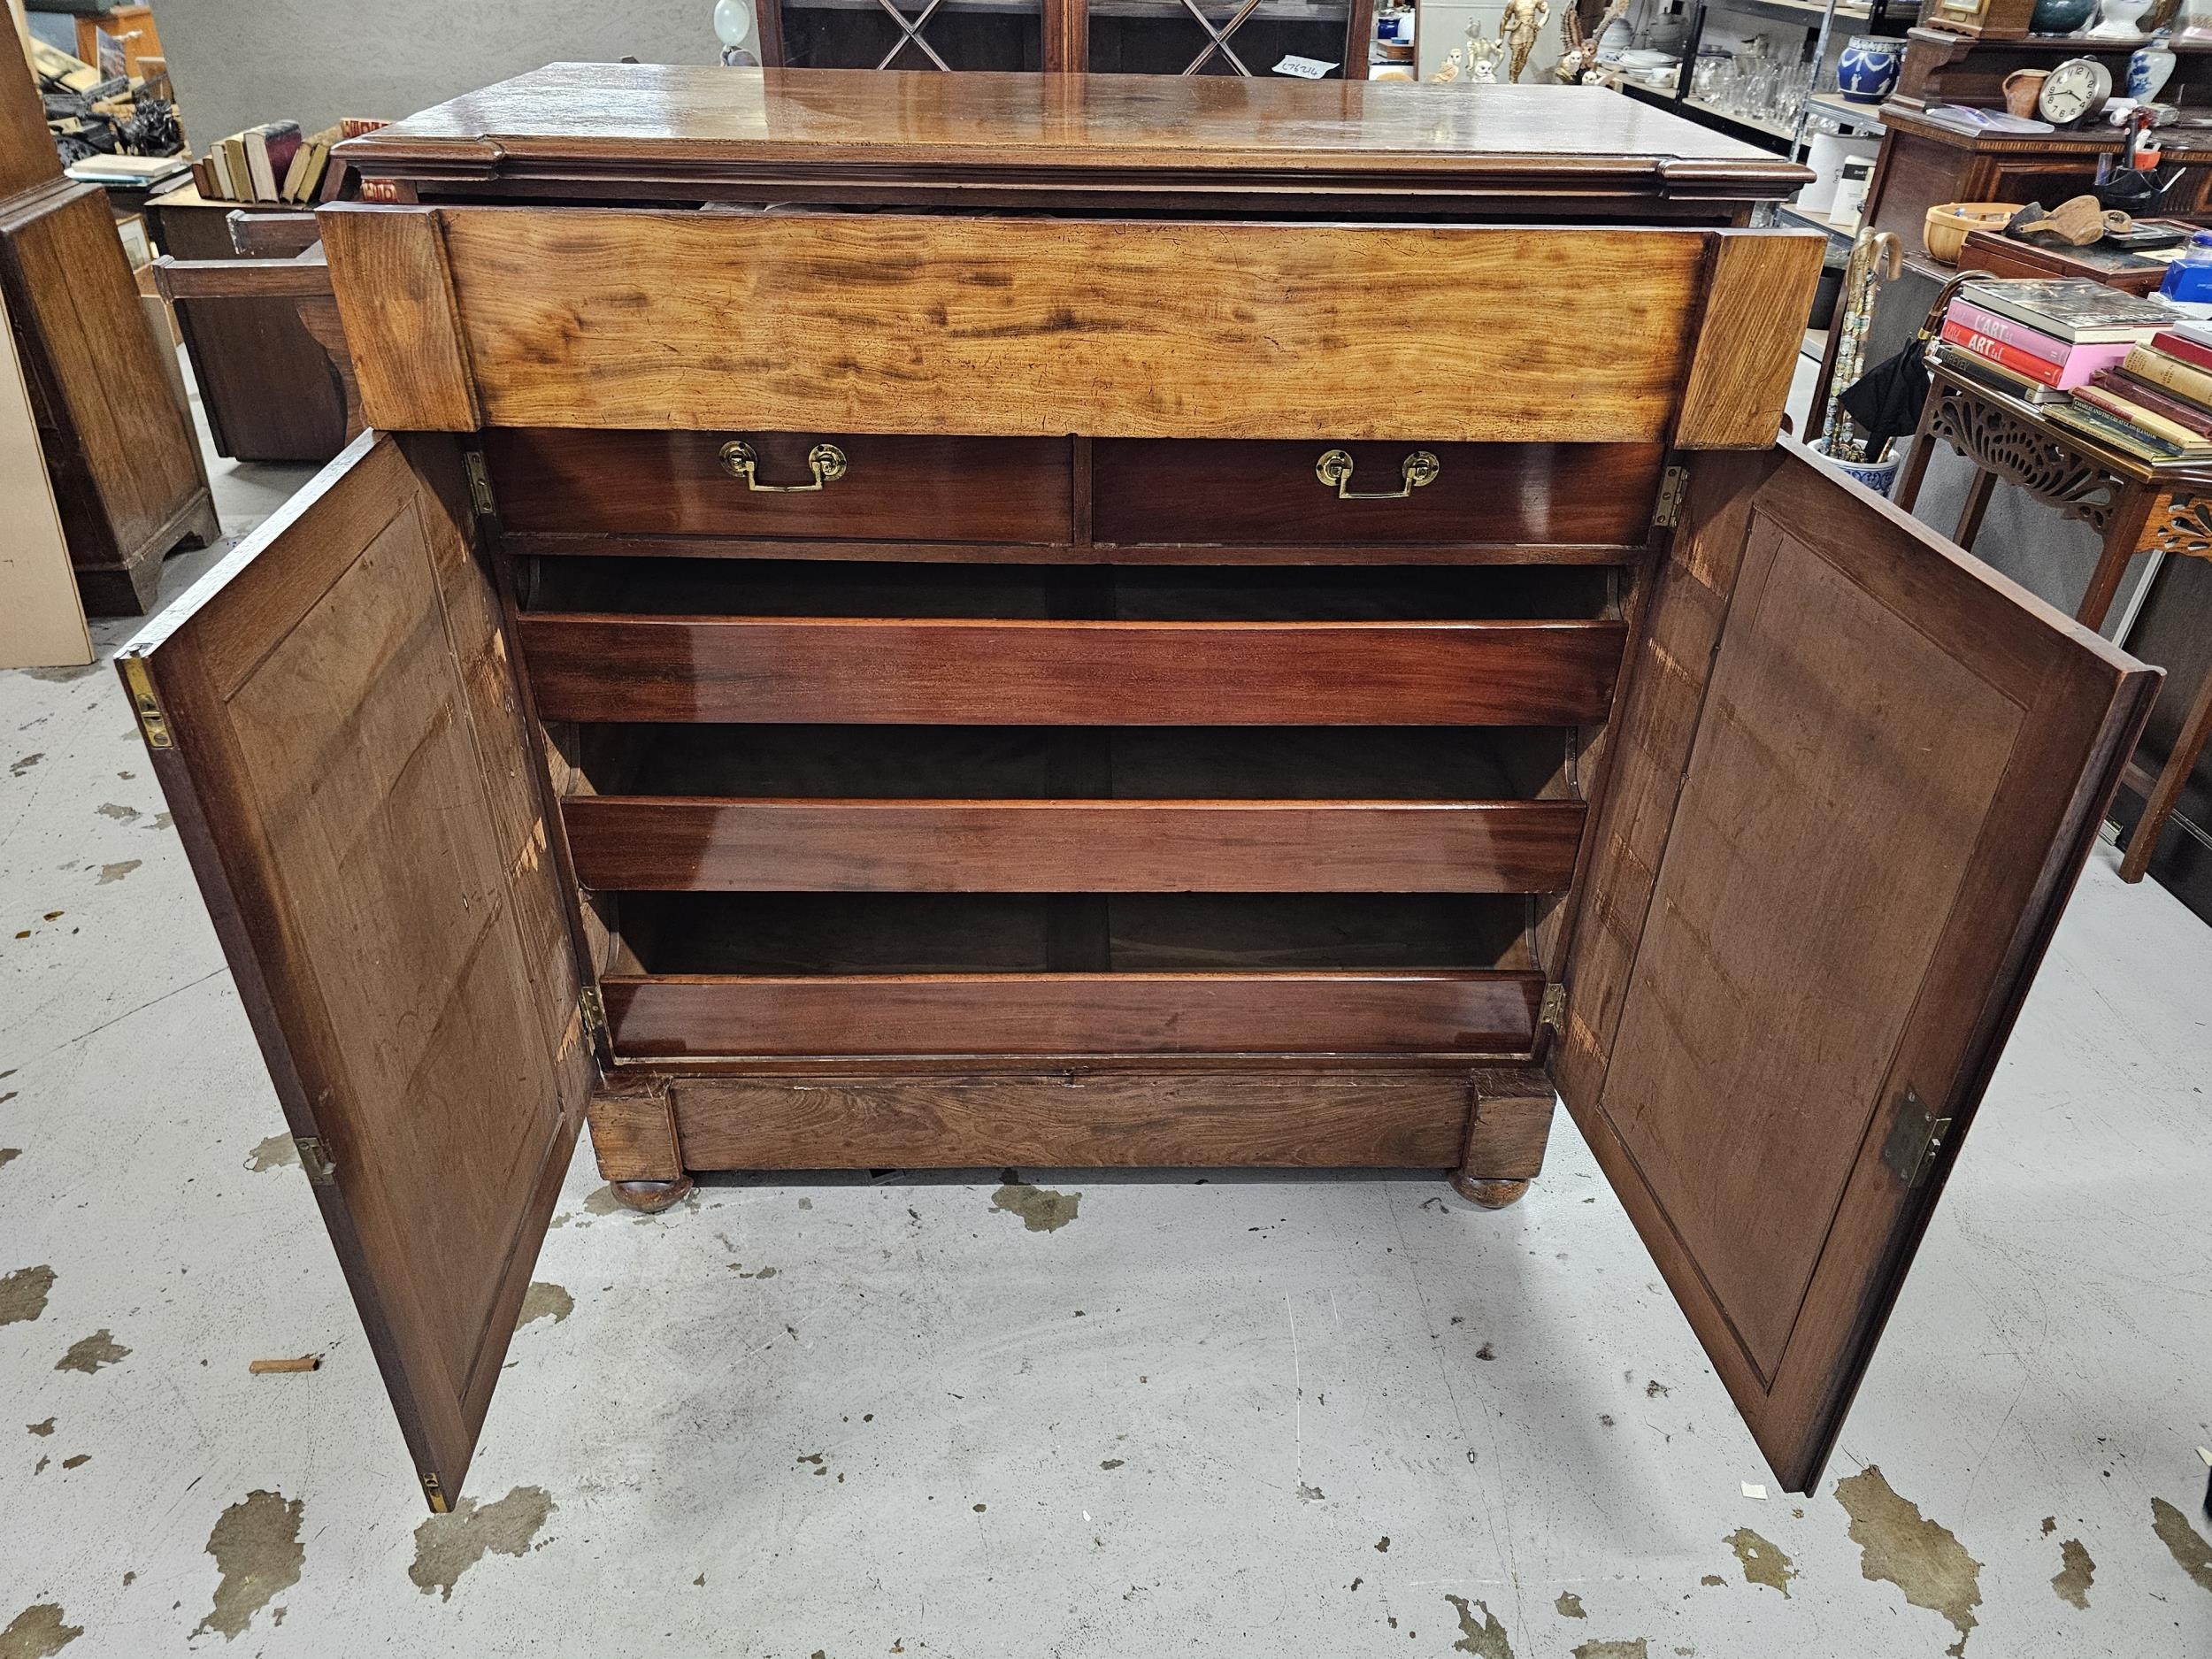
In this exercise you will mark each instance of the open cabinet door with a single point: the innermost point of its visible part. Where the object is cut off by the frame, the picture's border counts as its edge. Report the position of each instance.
(333, 718)
(1856, 775)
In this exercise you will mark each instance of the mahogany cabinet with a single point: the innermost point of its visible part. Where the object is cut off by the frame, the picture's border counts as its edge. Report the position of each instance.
(813, 670)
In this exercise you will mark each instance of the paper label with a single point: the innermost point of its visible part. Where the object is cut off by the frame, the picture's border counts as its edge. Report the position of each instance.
(1304, 68)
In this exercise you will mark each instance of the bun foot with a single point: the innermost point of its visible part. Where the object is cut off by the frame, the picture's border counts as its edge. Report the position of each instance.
(1488, 1194)
(651, 1197)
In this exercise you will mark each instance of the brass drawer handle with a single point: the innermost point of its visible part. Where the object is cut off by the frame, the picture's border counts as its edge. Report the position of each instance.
(1335, 467)
(826, 461)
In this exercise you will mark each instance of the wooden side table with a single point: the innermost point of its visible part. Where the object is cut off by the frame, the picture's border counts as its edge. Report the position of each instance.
(2135, 506)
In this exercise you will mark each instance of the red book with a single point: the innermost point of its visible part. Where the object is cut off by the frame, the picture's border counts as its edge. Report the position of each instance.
(2188, 350)
(2081, 361)
(2155, 398)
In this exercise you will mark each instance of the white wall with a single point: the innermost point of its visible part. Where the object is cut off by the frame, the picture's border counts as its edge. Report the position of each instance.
(238, 62)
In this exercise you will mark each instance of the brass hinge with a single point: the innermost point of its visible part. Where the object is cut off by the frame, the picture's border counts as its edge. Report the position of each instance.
(593, 1011)
(315, 1161)
(479, 484)
(1674, 483)
(151, 720)
(1916, 1135)
(1551, 1013)
(436, 1492)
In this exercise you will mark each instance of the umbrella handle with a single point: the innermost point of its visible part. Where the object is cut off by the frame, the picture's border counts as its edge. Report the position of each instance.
(1932, 324)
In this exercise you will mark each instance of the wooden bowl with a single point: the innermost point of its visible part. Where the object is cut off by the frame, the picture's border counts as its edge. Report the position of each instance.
(1947, 223)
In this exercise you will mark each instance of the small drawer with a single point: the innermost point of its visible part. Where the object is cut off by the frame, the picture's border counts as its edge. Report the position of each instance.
(1581, 498)
(800, 486)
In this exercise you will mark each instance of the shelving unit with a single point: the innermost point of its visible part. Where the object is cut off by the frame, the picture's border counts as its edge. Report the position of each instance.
(1820, 20)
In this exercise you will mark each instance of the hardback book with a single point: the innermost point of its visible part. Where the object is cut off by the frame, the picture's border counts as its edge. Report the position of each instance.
(2192, 444)
(2200, 332)
(306, 171)
(318, 163)
(2081, 361)
(1985, 321)
(2078, 309)
(269, 148)
(238, 168)
(2110, 429)
(127, 169)
(2183, 381)
(2174, 343)
(283, 141)
(2157, 399)
(1998, 378)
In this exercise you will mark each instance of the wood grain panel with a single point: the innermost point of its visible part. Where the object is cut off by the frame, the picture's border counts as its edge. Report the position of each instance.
(1633, 797)
(1148, 490)
(1482, 1013)
(1075, 674)
(1266, 144)
(1073, 1117)
(1894, 773)
(390, 271)
(687, 844)
(1508, 1125)
(348, 769)
(1024, 327)
(634, 1129)
(672, 484)
(1755, 306)
(559, 544)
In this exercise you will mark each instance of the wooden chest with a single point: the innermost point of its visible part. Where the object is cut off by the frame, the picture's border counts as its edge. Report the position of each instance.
(953, 621)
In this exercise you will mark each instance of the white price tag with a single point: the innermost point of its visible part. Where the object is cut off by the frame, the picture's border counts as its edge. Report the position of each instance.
(1304, 68)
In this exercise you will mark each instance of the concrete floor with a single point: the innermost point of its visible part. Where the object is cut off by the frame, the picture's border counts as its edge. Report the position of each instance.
(1222, 1417)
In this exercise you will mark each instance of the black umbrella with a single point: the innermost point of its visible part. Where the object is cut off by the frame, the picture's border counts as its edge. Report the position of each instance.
(1888, 398)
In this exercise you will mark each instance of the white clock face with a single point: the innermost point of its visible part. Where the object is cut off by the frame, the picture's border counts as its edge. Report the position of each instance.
(2074, 89)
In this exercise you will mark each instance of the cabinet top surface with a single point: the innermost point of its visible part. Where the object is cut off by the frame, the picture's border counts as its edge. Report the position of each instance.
(615, 118)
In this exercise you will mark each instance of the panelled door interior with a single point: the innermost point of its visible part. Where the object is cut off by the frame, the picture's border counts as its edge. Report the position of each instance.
(814, 689)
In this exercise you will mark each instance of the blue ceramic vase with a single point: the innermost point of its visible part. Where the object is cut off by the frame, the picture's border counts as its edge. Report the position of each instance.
(1867, 72)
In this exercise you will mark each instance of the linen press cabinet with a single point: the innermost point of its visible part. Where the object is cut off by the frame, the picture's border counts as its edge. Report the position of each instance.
(907, 620)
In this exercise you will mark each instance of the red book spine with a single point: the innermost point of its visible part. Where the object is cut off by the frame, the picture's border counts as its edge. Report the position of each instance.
(2023, 362)
(2157, 399)
(2188, 350)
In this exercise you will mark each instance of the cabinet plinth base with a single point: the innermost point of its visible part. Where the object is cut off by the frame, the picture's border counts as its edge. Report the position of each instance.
(1488, 1194)
(651, 1197)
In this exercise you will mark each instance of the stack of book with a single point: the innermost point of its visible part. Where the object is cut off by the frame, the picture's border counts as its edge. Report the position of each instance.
(2131, 372)
(2168, 383)
(269, 163)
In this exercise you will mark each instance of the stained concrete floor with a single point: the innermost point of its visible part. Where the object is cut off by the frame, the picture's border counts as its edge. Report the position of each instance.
(1227, 1416)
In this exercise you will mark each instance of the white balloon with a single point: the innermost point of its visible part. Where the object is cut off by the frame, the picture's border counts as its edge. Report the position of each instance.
(733, 21)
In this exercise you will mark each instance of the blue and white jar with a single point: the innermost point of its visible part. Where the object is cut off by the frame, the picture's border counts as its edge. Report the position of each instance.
(1867, 72)
(2150, 69)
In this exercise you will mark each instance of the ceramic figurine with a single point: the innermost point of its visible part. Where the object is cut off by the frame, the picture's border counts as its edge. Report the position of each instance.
(1482, 57)
(1449, 70)
(1578, 59)
(1523, 22)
